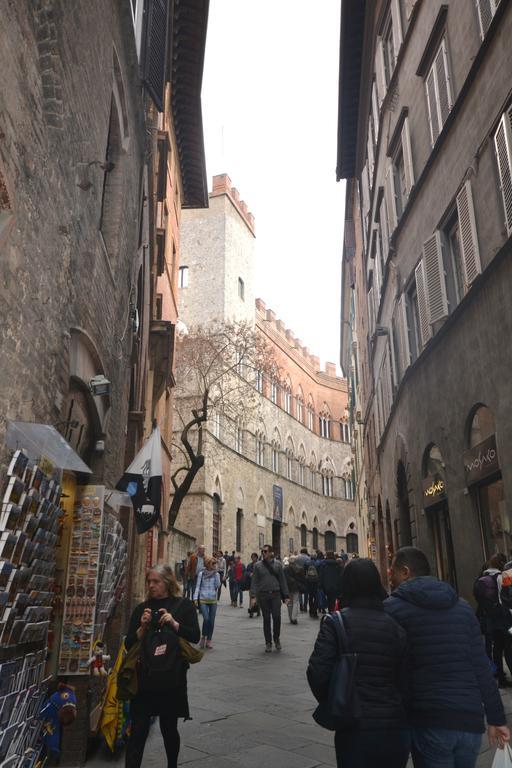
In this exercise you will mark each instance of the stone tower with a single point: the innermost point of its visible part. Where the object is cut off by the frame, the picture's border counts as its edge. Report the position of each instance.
(217, 259)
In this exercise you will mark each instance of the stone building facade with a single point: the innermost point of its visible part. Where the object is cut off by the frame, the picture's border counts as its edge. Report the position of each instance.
(284, 476)
(426, 136)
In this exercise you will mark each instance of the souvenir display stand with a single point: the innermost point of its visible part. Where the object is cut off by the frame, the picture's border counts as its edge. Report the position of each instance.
(30, 519)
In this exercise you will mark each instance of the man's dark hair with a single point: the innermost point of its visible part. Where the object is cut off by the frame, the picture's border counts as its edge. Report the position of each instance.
(361, 579)
(414, 559)
(304, 551)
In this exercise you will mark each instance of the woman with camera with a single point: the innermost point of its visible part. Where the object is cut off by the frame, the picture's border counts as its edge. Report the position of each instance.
(158, 623)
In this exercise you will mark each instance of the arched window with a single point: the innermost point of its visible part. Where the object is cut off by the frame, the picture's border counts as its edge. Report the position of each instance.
(352, 542)
(275, 457)
(299, 405)
(315, 538)
(239, 436)
(302, 468)
(311, 413)
(303, 536)
(330, 541)
(273, 391)
(481, 426)
(260, 449)
(345, 431)
(325, 422)
(288, 396)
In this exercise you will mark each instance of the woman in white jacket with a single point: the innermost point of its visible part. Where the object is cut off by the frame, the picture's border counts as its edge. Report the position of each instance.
(205, 595)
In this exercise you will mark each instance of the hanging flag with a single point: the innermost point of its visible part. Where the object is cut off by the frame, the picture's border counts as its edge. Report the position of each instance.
(142, 481)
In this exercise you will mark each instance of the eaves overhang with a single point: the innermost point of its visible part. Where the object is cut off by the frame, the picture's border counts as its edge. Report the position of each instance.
(189, 25)
(351, 59)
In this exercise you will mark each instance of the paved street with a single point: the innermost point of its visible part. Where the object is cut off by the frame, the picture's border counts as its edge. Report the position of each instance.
(251, 709)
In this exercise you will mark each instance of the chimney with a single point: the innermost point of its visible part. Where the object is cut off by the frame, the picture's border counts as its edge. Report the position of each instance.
(221, 184)
(330, 369)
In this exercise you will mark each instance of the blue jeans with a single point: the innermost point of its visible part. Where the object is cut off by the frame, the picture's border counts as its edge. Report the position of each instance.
(439, 748)
(208, 611)
(360, 749)
(236, 592)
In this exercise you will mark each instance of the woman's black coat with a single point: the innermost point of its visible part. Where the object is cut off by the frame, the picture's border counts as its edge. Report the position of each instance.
(184, 611)
(380, 645)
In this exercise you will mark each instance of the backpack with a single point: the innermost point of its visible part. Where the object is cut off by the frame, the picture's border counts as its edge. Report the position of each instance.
(311, 574)
(506, 588)
(485, 592)
(161, 662)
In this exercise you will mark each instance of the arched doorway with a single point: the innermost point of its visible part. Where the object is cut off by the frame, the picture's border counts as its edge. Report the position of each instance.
(483, 477)
(435, 504)
(404, 511)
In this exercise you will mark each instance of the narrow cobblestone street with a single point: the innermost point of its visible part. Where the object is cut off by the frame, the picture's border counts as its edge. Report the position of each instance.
(251, 709)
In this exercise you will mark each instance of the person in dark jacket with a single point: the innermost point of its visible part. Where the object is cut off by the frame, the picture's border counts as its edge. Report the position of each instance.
(253, 609)
(381, 735)
(495, 619)
(330, 574)
(268, 588)
(295, 579)
(450, 676)
(177, 615)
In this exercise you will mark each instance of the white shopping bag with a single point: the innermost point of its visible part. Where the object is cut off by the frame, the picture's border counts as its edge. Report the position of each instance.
(503, 758)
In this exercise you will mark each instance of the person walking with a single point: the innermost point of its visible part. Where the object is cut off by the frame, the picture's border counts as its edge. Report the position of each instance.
(195, 565)
(222, 569)
(312, 582)
(236, 574)
(451, 681)
(205, 596)
(303, 560)
(162, 694)
(495, 619)
(188, 577)
(253, 609)
(380, 736)
(268, 588)
(295, 580)
(330, 575)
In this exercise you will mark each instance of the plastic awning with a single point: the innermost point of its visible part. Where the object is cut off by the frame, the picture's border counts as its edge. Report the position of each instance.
(38, 440)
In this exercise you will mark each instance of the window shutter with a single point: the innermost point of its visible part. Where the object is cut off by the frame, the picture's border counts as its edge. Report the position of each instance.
(163, 151)
(371, 159)
(378, 263)
(389, 193)
(366, 193)
(380, 72)
(155, 50)
(407, 153)
(443, 83)
(375, 110)
(396, 21)
(503, 147)
(468, 235)
(435, 284)
(425, 329)
(432, 106)
(403, 335)
(485, 13)
(371, 312)
(384, 228)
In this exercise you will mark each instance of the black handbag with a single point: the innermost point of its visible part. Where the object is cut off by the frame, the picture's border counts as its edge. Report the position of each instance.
(341, 709)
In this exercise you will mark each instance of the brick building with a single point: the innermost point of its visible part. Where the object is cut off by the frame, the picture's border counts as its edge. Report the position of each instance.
(286, 476)
(425, 139)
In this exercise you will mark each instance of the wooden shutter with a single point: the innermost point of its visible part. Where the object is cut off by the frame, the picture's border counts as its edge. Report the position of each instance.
(163, 153)
(384, 228)
(443, 83)
(371, 311)
(485, 9)
(155, 50)
(396, 23)
(433, 119)
(380, 72)
(425, 329)
(435, 283)
(404, 349)
(365, 189)
(468, 234)
(389, 193)
(407, 154)
(375, 110)
(503, 148)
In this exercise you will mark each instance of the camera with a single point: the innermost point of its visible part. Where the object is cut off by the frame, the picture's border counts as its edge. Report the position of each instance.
(155, 619)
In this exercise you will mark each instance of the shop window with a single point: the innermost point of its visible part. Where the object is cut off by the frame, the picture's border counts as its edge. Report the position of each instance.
(183, 277)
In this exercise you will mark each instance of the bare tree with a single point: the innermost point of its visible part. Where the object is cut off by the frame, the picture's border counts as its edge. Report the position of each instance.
(218, 368)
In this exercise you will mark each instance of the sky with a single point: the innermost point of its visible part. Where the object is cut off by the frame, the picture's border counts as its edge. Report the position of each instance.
(270, 100)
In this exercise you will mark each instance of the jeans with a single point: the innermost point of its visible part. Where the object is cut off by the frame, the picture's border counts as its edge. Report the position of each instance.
(439, 748)
(189, 588)
(139, 734)
(235, 590)
(293, 606)
(270, 604)
(311, 596)
(362, 749)
(208, 611)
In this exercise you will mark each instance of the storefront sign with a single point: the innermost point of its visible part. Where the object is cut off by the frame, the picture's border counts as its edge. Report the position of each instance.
(277, 495)
(481, 461)
(434, 490)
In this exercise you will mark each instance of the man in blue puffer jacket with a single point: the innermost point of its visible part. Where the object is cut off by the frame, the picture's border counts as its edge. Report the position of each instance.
(451, 682)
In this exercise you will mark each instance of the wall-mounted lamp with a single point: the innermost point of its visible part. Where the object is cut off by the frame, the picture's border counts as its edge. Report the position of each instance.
(99, 385)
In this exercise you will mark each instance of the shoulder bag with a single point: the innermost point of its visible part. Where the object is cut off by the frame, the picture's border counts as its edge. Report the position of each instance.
(341, 709)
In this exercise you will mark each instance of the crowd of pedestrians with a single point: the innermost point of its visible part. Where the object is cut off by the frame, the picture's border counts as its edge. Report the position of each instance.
(424, 666)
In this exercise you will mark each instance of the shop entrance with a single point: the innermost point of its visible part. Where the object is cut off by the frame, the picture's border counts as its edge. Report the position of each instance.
(443, 545)
(494, 522)
(276, 538)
